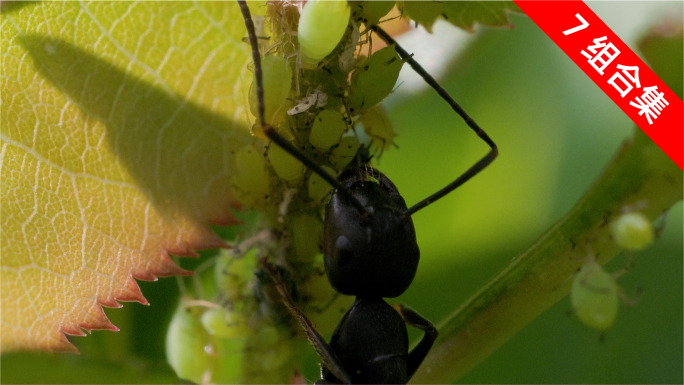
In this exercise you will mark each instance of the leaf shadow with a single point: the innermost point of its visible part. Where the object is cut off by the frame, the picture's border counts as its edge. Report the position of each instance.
(179, 153)
(12, 6)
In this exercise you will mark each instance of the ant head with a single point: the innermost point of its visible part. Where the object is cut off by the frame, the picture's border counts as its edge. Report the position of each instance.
(375, 255)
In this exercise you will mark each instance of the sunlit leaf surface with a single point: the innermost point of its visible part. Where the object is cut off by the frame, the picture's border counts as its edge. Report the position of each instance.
(119, 121)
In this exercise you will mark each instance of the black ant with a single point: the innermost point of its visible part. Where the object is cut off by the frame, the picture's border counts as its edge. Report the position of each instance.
(370, 252)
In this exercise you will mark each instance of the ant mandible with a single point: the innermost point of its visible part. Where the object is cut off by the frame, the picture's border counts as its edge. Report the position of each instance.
(370, 252)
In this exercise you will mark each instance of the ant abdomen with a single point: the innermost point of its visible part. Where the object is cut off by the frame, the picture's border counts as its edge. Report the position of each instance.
(371, 355)
(373, 253)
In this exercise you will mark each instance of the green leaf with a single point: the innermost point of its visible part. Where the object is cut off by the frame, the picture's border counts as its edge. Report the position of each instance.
(424, 13)
(119, 123)
(464, 14)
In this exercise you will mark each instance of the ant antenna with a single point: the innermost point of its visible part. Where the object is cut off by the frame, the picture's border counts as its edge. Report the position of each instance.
(271, 132)
(474, 169)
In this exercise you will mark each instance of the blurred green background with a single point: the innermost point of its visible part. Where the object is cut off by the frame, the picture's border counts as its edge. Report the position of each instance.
(556, 130)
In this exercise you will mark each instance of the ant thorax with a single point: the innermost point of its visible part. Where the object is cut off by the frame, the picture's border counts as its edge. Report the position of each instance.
(373, 254)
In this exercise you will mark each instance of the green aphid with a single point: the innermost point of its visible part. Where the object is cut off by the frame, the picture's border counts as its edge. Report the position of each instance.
(632, 231)
(370, 12)
(321, 27)
(187, 344)
(374, 81)
(595, 296)
(327, 130)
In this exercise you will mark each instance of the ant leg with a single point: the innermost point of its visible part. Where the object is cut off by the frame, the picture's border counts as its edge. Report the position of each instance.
(322, 348)
(271, 132)
(413, 319)
(474, 169)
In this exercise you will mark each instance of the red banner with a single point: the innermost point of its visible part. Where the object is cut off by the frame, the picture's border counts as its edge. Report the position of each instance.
(615, 69)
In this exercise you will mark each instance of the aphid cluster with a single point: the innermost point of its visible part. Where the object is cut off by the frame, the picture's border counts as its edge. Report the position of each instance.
(207, 329)
(230, 327)
(368, 239)
(319, 90)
